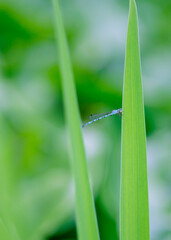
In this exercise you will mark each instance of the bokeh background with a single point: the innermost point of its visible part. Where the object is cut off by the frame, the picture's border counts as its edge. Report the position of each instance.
(34, 154)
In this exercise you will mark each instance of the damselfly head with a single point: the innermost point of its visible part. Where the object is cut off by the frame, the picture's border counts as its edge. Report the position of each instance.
(118, 111)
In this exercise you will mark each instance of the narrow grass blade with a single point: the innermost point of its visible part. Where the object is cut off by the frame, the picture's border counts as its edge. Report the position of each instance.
(86, 217)
(5, 220)
(134, 216)
(8, 229)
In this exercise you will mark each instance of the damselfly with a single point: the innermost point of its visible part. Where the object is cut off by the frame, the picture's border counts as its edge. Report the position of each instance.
(96, 117)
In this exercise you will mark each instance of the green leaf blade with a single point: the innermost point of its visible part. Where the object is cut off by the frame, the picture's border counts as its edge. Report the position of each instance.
(85, 211)
(134, 184)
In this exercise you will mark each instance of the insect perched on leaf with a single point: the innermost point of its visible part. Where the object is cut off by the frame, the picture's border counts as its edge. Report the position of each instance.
(96, 117)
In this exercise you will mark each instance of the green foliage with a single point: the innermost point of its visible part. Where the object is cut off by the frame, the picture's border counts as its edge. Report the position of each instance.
(134, 185)
(86, 217)
(36, 185)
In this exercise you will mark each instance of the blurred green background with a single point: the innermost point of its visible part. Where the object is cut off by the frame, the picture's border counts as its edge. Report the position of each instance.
(34, 155)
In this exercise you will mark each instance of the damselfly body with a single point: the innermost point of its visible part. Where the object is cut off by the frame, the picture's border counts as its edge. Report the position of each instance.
(96, 117)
